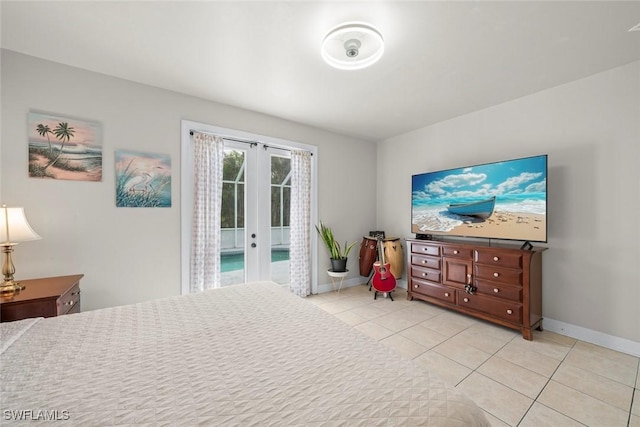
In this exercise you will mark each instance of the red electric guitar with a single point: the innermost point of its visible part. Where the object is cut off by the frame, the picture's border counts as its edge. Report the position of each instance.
(383, 280)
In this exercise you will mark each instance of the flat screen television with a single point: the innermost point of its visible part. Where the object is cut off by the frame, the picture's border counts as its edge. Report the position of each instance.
(504, 200)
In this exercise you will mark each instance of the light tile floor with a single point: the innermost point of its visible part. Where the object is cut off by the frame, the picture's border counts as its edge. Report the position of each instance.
(551, 381)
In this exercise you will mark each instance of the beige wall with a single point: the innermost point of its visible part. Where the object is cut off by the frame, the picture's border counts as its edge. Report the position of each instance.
(127, 254)
(590, 129)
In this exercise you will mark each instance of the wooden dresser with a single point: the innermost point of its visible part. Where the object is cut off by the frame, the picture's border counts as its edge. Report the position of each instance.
(499, 284)
(46, 297)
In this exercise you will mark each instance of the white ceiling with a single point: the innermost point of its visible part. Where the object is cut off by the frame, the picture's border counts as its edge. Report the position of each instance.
(442, 59)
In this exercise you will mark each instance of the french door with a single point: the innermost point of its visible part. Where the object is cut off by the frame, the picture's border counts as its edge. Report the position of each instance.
(255, 219)
(255, 214)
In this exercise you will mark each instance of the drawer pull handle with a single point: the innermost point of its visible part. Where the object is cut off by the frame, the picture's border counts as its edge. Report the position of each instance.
(424, 274)
(456, 252)
(424, 261)
(69, 303)
(446, 294)
(466, 300)
(496, 290)
(509, 311)
(495, 258)
(496, 274)
(468, 279)
(75, 293)
(415, 286)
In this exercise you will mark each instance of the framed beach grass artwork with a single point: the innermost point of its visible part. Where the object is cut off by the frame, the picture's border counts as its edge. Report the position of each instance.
(143, 180)
(63, 147)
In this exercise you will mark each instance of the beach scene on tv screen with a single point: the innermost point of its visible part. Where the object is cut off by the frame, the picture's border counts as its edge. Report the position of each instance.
(502, 200)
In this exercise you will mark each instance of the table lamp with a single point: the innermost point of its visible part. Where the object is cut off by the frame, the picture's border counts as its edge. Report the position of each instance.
(14, 229)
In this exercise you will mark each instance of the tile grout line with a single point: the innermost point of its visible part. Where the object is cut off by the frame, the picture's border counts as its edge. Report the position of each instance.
(545, 386)
(635, 394)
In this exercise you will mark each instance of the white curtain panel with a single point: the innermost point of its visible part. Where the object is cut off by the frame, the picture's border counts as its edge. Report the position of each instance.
(208, 157)
(300, 240)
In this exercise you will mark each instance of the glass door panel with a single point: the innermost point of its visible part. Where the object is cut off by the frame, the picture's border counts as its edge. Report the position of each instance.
(256, 193)
(232, 245)
(280, 167)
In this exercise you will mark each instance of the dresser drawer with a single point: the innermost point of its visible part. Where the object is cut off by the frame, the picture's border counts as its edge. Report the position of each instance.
(503, 309)
(425, 249)
(500, 290)
(70, 301)
(426, 261)
(433, 290)
(457, 252)
(498, 274)
(500, 258)
(425, 274)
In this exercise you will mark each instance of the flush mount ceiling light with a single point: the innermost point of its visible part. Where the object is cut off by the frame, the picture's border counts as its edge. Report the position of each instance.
(352, 46)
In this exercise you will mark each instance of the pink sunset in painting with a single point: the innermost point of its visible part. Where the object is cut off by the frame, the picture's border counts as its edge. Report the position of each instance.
(64, 148)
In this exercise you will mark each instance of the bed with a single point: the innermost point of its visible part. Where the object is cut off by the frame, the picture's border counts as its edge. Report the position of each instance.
(244, 355)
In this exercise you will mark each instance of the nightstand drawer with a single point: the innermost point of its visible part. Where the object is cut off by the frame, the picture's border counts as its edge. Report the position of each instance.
(46, 297)
(70, 301)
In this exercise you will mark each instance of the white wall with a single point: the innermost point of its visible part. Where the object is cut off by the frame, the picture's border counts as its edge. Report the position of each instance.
(590, 129)
(133, 254)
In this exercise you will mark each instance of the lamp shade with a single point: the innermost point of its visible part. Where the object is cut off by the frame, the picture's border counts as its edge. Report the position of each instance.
(14, 227)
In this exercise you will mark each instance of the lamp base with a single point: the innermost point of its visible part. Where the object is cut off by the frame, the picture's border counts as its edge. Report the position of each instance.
(11, 286)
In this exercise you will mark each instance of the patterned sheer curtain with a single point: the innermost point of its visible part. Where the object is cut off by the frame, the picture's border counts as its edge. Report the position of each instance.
(208, 158)
(300, 211)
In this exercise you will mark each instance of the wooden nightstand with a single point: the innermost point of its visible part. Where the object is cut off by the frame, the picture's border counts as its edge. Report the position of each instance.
(46, 297)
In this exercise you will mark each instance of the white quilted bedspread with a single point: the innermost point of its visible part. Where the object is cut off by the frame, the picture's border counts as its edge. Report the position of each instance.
(245, 355)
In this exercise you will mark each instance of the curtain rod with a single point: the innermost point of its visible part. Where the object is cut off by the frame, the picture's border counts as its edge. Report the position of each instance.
(228, 138)
(244, 141)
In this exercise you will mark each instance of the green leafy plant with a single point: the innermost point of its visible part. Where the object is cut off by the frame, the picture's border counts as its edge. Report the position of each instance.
(335, 250)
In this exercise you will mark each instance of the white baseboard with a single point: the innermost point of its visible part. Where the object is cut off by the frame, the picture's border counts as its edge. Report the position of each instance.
(622, 345)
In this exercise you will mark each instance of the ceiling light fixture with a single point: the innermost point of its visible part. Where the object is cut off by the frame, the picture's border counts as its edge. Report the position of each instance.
(352, 46)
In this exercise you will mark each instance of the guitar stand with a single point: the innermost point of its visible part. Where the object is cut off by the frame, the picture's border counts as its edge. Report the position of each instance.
(370, 282)
(375, 294)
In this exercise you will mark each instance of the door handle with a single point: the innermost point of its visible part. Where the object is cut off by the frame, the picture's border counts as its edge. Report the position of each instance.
(253, 245)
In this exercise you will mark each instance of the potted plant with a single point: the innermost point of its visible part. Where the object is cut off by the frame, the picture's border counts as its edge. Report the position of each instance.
(337, 253)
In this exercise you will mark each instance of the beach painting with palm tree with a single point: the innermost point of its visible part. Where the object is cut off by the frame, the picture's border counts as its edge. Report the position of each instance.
(143, 180)
(64, 148)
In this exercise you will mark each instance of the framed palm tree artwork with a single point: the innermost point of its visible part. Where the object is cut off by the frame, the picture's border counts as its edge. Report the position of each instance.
(143, 180)
(64, 147)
